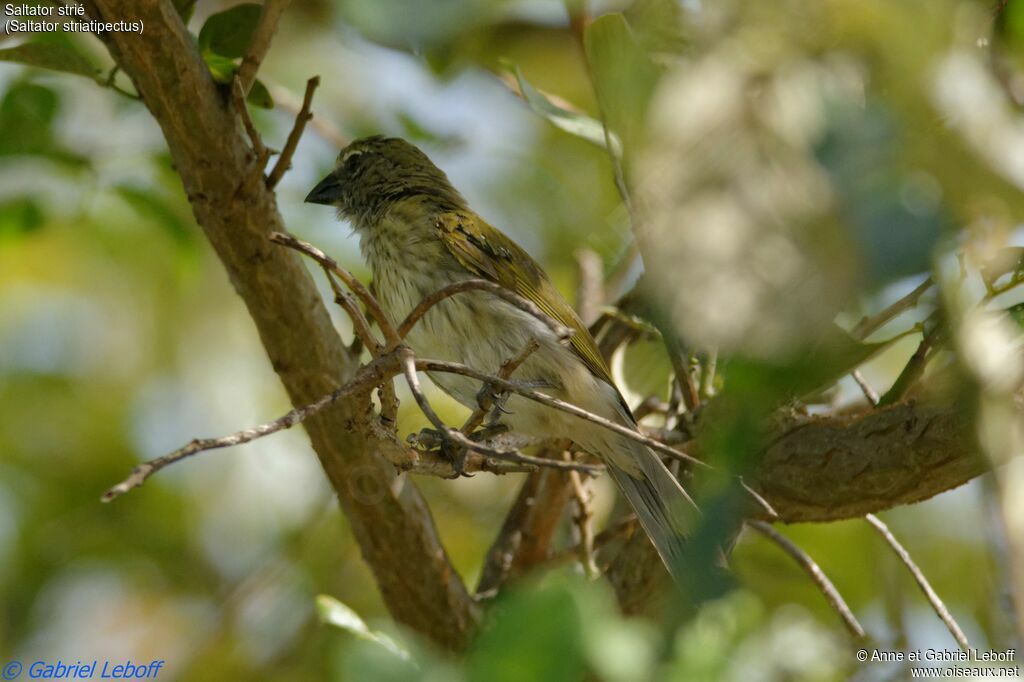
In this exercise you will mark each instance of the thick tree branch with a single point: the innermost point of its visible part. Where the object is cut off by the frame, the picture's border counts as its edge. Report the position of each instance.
(841, 467)
(231, 202)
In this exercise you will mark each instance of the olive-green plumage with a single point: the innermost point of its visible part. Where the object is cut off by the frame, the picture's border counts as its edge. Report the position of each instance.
(419, 235)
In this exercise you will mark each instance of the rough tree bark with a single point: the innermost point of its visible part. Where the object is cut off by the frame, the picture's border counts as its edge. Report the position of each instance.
(818, 469)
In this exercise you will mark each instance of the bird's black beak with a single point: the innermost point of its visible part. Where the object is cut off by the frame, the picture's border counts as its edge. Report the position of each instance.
(326, 191)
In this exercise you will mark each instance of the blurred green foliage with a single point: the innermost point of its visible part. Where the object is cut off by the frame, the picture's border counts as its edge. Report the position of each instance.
(120, 337)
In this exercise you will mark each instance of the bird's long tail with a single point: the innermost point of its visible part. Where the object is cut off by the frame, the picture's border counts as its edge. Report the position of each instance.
(664, 510)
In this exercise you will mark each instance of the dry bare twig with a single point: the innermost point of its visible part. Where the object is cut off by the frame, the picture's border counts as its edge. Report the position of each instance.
(922, 582)
(409, 366)
(238, 100)
(366, 377)
(287, 100)
(832, 596)
(378, 371)
(259, 45)
(357, 287)
(583, 517)
(870, 324)
(622, 528)
(285, 160)
(561, 405)
(870, 393)
(360, 325)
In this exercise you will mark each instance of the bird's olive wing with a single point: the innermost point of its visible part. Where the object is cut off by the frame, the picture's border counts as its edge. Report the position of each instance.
(490, 255)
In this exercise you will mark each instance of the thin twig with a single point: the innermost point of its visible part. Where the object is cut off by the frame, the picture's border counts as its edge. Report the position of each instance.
(623, 528)
(414, 316)
(869, 325)
(365, 378)
(561, 405)
(357, 287)
(287, 100)
(583, 517)
(870, 393)
(238, 99)
(284, 161)
(380, 371)
(524, 540)
(259, 45)
(909, 375)
(504, 372)
(360, 325)
(922, 582)
(410, 364)
(832, 596)
(765, 505)
(652, 404)
(681, 368)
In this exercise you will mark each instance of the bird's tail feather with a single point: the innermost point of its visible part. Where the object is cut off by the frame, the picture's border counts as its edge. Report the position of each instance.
(663, 508)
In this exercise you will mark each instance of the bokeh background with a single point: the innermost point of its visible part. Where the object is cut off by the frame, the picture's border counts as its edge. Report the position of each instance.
(121, 339)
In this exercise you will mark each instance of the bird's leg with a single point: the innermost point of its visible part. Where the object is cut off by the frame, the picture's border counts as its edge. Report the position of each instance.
(435, 440)
(491, 402)
(491, 399)
(485, 433)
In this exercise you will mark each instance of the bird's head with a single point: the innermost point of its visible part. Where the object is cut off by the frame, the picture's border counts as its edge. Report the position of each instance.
(374, 173)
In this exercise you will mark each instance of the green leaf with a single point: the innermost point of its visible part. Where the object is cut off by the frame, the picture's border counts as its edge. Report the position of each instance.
(20, 216)
(27, 113)
(229, 33)
(333, 612)
(54, 55)
(221, 68)
(185, 9)
(535, 635)
(259, 96)
(624, 76)
(571, 122)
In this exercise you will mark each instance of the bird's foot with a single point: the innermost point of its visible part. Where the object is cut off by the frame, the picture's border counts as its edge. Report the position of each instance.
(491, 400)
(436, 441)
(488, 432)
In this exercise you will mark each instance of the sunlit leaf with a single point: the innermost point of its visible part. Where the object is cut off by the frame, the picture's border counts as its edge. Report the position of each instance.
(571, 122)
(333, 612)
(228, 33)
(221, 68)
